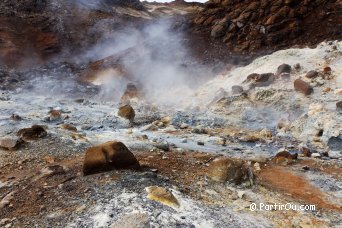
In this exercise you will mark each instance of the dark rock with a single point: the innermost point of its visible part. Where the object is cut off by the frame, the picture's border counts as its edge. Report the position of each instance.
(236, 89)
(335, 143)
(163, 146)
(306, 152)
(16, 117)
(109, 156)
(33, 133)
(339, 106)
(302, 87)
(284, 68)
(311, 74)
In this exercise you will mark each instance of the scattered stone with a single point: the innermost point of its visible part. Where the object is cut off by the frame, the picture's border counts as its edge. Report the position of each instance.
(33, 133)
(133, 220)
(302, 87)
(260, 80)
(306, 152)
(162, 195)
(55, 115)
(69, 127)
(339, 106)
(338, 92)
(283, 68)
(200, 143)
(297, 67)
(227, 169)
(284, 157)
(335, 143)
(327, 70)
(256, 166)
(236, 89)
(6, 200)
(10, 143)
(183, 126)
(315, 155)
(150, 127)
(52, 170)
(16, 117)
(163, 146)
(311, 74)
(335, 154)
(108, 156)
(127, 112)
(240, 194)
(184, 140)
(199, 130)
(166, 120)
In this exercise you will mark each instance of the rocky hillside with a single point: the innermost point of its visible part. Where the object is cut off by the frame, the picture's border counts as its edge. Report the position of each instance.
(38, 30)
(254, 26)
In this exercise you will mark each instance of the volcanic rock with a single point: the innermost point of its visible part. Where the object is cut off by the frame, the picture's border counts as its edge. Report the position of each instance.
(283, 68)
(311, 74)
(69, 127)
(33, 133)
(236, 89)
(259, 25)
(302, 87)
(10, 143)
(339, 106)
(306, 152)
(284, 158)
(163, 146)
(108, 156)
(162, 195)
(127, 112)
(227, 169)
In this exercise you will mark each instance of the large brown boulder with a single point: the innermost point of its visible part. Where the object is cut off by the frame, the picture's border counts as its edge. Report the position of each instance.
(127, 112)
(229, 170)
(33, 133)
(109, 156)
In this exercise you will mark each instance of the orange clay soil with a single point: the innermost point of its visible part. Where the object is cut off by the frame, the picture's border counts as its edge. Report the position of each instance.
(298, 187)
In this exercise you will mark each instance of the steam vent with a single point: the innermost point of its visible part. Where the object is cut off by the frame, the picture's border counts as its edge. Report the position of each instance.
(189, 114)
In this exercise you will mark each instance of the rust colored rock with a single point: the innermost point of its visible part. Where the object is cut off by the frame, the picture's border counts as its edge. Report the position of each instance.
(69, 127)
(286, 154)
(284, 158)
(302, 87)
(327, 70)
(306, 152)
(109, 156)
(127, 112)
(33, 133)
(227, 169)
(311, 74)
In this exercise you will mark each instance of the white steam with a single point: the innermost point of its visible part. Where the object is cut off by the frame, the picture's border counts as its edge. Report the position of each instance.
(155, 60)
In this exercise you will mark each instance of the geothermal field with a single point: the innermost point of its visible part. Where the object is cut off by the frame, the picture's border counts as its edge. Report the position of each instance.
(133, 114)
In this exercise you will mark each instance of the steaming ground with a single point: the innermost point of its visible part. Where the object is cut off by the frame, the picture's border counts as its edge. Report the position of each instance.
(206, 121)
